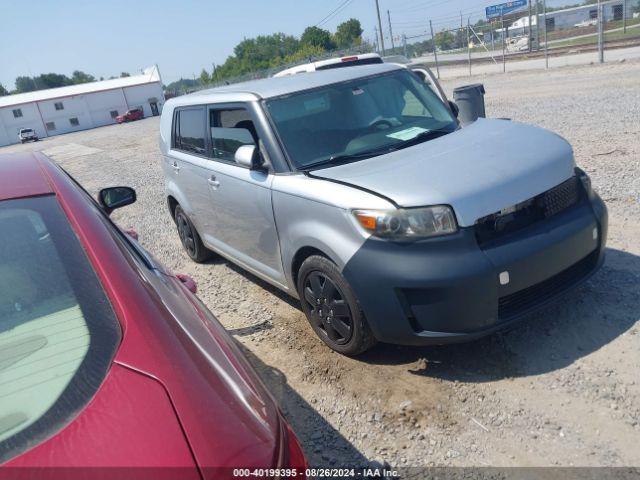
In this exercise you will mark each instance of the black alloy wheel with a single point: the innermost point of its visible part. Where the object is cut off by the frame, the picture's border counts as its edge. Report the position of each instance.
(329, 310)
(189, 237)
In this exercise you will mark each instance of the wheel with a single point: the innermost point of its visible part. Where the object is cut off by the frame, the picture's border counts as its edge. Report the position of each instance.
(189, 237)
(332, 308)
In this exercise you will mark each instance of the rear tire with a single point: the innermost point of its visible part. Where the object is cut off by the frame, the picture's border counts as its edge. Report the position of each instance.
(189, 237)
(332, 308)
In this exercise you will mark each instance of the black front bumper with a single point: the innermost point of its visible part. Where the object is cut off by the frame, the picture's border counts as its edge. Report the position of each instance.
(448, 289)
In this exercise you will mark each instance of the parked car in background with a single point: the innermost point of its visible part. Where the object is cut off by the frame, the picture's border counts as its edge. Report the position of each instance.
(356, 191)
(107, 359)
(331, 63)
(27, 135)
(130, 115)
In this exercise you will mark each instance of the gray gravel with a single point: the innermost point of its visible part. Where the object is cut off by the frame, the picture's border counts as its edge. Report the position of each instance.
(562, 390)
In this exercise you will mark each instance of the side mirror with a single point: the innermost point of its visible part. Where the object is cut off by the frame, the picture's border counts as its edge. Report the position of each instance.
(249, 156)
(454, 108)
(116, 197)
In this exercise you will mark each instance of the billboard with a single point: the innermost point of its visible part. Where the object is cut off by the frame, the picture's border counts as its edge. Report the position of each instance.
(495, 11)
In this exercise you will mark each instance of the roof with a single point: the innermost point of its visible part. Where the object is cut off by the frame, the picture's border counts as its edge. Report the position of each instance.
(276, 86)
(21, 176)
(149, 75)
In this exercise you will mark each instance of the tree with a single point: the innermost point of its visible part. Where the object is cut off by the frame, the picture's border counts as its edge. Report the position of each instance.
(80, 77)
(124, 74)
(317, 37)
(205, 79)
(348, 33)
(3, 91)
(445, 40)
(51, 80)
(25, 84)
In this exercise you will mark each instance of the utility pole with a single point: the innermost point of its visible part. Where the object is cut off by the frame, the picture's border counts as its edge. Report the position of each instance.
(393, 46)
(544, 14)
(377, 40)
(469, 43)
(537, 25)
(600, 33)
(435, 49)
(380, 28)
(530, 43)
(404, 45)
(624, 16)
(503, 33)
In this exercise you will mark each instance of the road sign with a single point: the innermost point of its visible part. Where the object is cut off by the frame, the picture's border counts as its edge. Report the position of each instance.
(495, 11)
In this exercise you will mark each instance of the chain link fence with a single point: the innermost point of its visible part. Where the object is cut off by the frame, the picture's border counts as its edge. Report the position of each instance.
(538, 36)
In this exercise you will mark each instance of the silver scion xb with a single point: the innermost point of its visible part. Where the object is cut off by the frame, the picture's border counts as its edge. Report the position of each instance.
(356, 191)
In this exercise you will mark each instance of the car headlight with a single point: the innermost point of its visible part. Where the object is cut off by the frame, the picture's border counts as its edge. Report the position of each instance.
(410, 223)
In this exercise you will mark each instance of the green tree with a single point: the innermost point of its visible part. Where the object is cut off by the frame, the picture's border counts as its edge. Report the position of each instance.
(317, 37)
(25, 84)
(3, 91)
(51, 80)
(80, 77)
(348, 33)
(124, 74)
(306, 53)
(445, 40)
(205, 78)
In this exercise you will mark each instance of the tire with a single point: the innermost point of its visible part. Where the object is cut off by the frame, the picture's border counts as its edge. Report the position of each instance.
(189, 237)
(332, 308)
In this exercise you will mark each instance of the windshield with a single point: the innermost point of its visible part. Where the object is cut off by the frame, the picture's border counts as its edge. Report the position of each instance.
(358, 118)
(26, 130)
(57, 329)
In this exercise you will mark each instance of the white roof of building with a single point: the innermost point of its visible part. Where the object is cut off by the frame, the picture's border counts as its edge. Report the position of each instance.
(149, 75)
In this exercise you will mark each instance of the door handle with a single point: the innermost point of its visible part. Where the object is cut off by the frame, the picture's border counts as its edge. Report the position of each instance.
(213, 182)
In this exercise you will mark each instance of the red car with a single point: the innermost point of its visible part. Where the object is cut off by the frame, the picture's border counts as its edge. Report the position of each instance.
(130, 115)
(106, 358)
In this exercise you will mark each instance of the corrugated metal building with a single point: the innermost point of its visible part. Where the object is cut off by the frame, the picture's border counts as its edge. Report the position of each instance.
(79, 107)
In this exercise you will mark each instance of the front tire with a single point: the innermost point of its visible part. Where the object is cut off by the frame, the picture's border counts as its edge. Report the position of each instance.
(332, 307)
(190, 238)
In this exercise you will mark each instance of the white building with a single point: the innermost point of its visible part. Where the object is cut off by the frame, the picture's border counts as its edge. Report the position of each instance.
(79, 107)
(584, 15)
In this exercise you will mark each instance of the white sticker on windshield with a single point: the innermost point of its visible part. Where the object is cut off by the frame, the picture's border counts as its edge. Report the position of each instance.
(407, 134)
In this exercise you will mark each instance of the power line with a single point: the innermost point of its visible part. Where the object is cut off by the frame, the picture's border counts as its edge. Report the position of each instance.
(334, 12)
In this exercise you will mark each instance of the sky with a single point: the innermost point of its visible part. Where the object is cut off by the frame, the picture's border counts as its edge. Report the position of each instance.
(104, 38)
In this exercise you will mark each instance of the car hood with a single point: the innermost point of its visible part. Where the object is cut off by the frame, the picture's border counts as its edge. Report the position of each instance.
(478, 170)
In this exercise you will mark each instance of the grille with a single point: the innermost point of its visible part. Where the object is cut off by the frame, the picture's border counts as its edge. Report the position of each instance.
(519, 302)
(536, 209)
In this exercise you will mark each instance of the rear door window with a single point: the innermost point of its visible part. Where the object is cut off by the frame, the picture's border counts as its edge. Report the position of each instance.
(58, 332)
(189, 130)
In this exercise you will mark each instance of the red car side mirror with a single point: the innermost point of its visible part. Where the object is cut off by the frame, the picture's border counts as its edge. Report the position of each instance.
(188, 282)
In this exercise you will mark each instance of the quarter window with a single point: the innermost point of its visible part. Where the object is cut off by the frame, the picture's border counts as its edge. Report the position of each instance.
(189, 130)
(230, 129)
(58, 332)
(17, 112)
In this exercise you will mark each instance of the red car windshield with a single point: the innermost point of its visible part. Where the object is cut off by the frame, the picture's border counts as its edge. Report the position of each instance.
(58, 332)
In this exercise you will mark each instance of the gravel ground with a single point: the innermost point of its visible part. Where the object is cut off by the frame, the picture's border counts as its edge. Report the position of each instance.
(561, 390)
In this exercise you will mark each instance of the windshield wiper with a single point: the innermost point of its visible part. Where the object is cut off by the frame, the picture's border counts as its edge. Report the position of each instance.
(346, 158)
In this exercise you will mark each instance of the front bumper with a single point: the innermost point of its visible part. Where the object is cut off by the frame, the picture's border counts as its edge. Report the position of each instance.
(448, 289)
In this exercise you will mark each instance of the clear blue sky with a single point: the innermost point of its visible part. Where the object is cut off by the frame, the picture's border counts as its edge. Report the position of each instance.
(104, 38)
